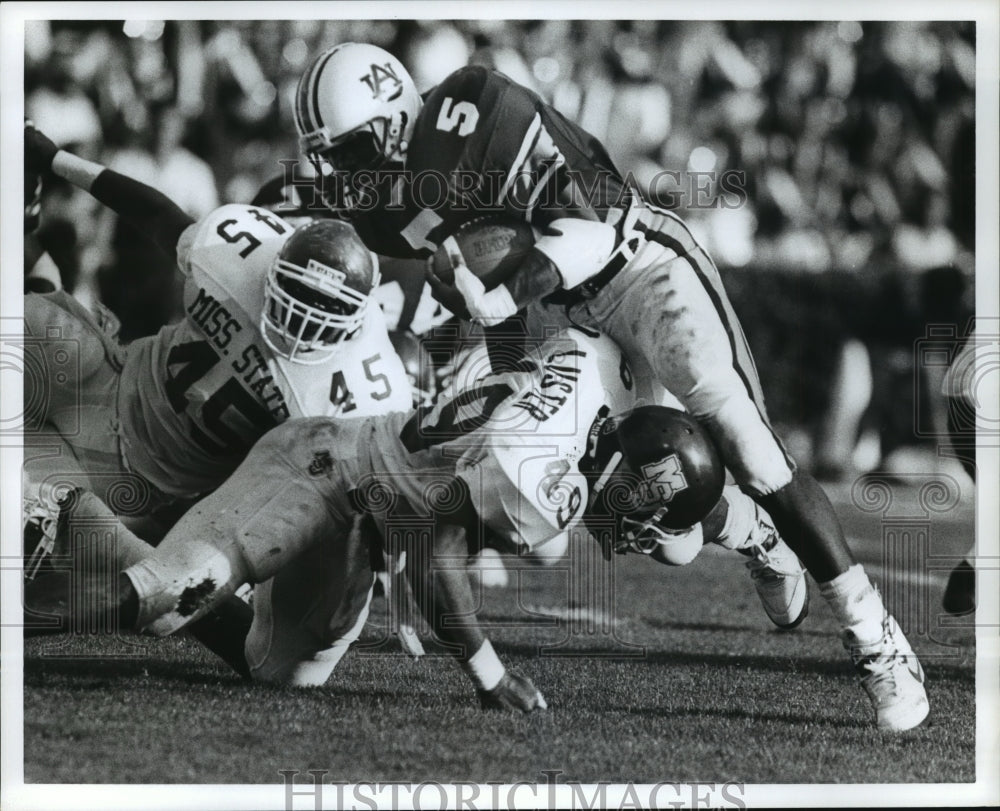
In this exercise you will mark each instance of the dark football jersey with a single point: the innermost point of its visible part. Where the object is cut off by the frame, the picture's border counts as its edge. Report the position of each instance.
(485, 144)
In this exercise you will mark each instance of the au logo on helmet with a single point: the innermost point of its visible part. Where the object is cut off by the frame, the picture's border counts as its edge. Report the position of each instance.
(662, 480)
(380, 75)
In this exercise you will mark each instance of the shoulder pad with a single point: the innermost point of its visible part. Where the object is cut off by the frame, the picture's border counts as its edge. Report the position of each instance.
(233, 238)
(429, 139)
(464, 83)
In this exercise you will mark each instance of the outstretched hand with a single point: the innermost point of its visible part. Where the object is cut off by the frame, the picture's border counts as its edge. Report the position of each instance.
(513, 692)
(39, 150)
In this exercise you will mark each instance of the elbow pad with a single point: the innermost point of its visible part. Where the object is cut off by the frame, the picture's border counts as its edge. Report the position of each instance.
(578, 248)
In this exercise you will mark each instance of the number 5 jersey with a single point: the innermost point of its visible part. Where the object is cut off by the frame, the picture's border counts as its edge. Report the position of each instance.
(195, 397)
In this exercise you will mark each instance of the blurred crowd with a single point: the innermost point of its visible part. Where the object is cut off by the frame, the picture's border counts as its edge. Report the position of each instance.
(839, 150)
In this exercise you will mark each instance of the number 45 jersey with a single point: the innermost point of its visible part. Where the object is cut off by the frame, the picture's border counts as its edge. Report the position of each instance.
(199, 394)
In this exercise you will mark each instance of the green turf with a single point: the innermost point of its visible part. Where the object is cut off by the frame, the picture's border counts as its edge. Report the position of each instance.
(700, 688)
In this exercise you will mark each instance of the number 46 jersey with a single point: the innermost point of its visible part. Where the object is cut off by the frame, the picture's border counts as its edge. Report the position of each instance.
(196, 396)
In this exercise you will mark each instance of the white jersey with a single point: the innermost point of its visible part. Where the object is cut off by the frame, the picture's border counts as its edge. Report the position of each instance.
(206, 388)
(516, 439)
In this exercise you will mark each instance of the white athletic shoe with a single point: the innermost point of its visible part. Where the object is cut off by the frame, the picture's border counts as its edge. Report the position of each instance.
(778, 576)
(892, 677)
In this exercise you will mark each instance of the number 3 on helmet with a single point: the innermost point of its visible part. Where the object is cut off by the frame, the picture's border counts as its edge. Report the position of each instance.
(317, 291)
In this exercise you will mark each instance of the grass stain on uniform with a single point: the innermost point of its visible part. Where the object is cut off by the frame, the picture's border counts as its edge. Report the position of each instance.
(193, 597)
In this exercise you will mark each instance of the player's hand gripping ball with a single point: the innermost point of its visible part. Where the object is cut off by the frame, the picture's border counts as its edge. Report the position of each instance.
(491, 248)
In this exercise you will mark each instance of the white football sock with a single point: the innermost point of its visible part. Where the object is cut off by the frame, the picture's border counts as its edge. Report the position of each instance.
(741, 520)
(855, 603)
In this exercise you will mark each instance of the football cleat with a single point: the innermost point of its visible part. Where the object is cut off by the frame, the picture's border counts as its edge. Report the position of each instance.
(40, 527)
(892, 677)
(777, 575)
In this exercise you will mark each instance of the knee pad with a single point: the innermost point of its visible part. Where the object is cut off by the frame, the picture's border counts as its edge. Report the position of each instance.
(682, 548)
(749, 447)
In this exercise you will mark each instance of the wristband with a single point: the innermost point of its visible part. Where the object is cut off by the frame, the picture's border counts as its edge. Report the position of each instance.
(496, 306)
(81, 173)
(485, 668)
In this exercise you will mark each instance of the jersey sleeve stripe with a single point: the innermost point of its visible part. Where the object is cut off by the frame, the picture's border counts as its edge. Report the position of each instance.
(551, 167)
(303, 118)
(527, 145)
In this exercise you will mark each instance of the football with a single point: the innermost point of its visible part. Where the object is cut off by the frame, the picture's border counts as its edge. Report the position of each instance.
(492, 247)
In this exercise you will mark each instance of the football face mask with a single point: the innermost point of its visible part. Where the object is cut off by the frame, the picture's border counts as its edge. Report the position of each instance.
(317, 291)
(336, 166)
(355, 109)
(637, 529)
(661, 478)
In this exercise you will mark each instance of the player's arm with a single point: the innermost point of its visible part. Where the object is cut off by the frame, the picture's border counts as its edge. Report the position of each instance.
(143, 207)
(523, 169)
(441, 589)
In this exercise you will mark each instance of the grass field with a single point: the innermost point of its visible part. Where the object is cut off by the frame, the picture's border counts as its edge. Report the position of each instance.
(684, 679)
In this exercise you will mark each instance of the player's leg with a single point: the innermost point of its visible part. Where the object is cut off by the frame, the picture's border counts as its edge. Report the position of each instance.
(739, 524)
(676, 313)
(72, 367)
(72, 358)
(309, 613)
(778, 577)
(89, 546)
(275, 505)
(72, 540)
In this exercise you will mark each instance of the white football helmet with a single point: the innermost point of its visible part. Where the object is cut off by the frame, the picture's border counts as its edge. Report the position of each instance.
(317, 291)
(355, 108)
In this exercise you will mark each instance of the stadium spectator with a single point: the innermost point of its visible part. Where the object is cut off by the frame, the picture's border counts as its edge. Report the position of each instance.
(854, 143)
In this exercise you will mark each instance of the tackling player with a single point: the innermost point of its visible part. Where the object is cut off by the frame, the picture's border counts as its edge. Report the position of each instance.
(526, 454)
(277, 324)
(409, 171)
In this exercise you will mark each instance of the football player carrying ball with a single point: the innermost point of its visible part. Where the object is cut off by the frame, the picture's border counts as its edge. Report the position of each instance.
(410, 171)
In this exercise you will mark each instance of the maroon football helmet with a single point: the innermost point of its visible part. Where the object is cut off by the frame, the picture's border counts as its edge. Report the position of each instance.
(660, 473)
(317, 291)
